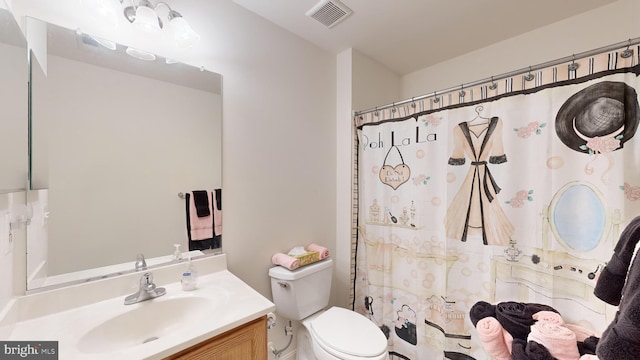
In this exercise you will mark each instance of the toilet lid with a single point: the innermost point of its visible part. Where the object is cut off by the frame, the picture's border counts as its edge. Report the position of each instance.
(348, 332)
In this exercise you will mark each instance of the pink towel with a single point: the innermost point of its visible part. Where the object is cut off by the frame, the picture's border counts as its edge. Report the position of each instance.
(560, 341)
(285, 260)
(201, 228)
(490, 333)
(508, 339)
(217, 212)
(588, 357)
(548, 316)
(323, 251)
(582, 333)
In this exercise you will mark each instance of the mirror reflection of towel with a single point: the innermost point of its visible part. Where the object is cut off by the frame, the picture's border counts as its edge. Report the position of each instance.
(201, 201)
(217, 212)
(199, 228)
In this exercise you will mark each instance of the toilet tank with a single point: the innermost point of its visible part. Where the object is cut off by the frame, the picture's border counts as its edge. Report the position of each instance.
(301, 292)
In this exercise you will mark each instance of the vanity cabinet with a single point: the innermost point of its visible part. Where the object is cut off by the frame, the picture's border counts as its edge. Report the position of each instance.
(248, 341)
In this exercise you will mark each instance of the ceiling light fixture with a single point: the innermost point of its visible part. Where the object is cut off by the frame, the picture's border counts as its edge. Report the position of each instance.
(111, 45)
(95, 41)
(146, 16)
(140, 54)
(181, 31)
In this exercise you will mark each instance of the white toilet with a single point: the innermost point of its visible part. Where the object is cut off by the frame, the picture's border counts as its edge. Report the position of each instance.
(331, 334)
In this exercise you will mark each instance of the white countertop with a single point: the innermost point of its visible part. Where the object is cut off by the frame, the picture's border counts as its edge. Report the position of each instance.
(235, 304)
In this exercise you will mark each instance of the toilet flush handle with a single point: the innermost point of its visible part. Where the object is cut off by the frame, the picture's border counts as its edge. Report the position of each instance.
(283, 284)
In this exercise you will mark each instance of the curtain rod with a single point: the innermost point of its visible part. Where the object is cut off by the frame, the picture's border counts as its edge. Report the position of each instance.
(544, 65)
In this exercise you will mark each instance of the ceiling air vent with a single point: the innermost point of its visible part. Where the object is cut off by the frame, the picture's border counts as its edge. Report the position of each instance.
(329, 12)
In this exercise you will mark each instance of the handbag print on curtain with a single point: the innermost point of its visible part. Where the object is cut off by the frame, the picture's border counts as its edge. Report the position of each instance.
(518, 198)
(406, 325)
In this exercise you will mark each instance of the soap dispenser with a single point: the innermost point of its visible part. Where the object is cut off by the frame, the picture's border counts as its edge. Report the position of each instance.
(189, 277)
(177, 254)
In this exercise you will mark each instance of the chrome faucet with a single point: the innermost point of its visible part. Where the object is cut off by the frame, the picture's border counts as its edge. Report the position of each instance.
(147, 291)
(140, 263)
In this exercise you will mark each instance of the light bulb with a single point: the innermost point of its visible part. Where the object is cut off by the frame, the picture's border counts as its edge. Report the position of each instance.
(146, 18)
(182, 33)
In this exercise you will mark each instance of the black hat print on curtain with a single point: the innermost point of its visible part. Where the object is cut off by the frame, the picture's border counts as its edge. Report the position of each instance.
(599, 119)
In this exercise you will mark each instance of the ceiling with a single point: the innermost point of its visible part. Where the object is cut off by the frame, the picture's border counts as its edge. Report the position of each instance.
(409, 35)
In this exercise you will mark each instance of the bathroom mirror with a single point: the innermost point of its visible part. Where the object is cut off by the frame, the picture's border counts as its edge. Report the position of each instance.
(579, 231)
(14, 74)
(114, 140)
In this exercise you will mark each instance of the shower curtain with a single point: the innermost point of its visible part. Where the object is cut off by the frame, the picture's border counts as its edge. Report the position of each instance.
(511, 191)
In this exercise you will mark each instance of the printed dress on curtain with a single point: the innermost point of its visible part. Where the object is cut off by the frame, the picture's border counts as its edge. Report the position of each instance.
(474, 208)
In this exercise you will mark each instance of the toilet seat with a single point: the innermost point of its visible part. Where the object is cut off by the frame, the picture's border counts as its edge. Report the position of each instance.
(347, 334)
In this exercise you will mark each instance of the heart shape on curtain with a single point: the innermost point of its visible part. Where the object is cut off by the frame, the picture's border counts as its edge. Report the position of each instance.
(395, 176)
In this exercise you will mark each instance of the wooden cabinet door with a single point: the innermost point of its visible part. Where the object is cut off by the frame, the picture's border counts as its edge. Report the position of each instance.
(248, 341)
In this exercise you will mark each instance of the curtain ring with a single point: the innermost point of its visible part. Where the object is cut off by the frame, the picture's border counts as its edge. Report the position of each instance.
(627, 52)
(493, 85)
(413, 103)
(375, 113)
(436, 99)
(573, 66)
(462, 93)
(529, 76)
(393, 108)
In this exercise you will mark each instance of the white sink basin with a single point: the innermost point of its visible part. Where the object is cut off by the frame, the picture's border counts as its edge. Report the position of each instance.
(148, 321)
(89, 324)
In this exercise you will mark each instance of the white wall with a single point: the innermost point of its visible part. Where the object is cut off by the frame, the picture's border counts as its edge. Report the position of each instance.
(373, 83)
(12, 249)
(603, 26)
(6, 251)
(279, 145)
(38, 246)
(13, 101)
